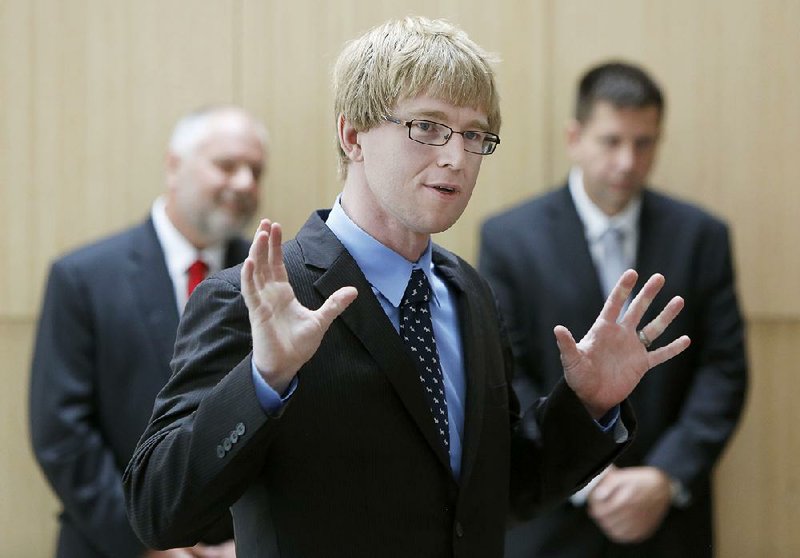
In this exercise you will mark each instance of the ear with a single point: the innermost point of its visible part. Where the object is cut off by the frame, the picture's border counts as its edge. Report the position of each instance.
(572, 135)
(348, 139)
(172, 163)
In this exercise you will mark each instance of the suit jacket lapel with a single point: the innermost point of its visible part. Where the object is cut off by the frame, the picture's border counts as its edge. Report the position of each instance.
(235, 252)
(474, 358)
(368, 322)
(651, 249)
(152, 287)
(570, 246)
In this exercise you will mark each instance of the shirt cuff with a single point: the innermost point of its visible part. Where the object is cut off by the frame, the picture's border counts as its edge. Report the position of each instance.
(680, 495)
(268, 398)
(611, 422)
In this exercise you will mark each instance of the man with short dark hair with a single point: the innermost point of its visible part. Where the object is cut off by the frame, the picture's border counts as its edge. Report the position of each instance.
(553, 260)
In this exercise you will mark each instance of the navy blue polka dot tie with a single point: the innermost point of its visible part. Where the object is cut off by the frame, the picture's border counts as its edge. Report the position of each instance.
(416, 329)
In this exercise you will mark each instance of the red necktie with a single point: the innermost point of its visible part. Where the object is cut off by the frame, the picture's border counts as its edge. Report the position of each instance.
(197, 272)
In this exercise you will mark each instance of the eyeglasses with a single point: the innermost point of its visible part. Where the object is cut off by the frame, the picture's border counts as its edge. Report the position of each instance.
(434, 133)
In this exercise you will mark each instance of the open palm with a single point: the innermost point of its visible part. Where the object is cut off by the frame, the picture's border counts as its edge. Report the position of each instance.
(610, 360)
(285, 333)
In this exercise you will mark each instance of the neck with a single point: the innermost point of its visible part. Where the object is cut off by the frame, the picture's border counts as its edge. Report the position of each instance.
(189, 233)
(364, 210)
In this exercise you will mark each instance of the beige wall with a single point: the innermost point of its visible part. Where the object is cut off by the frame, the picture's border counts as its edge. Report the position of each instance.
(89, 90)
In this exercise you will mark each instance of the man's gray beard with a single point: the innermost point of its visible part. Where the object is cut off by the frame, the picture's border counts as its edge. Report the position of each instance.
(219, 226)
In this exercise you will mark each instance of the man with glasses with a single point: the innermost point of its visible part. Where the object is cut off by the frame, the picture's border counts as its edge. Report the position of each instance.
(391, 431)
(552, 259)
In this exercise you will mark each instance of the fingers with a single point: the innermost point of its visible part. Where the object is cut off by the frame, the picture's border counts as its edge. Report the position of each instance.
(642, 301)
(267, 252)
(567, 346)
(264, 261)
(275, 253)
(663, 354)
(605, 488)
(619, 294)
(335, 305)
(659, 324)
(257, 253)
(656, 327)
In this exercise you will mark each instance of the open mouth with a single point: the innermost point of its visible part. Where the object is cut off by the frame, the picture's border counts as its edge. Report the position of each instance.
(444, 189)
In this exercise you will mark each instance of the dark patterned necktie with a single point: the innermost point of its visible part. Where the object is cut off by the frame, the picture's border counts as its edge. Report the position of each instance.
(416, 329)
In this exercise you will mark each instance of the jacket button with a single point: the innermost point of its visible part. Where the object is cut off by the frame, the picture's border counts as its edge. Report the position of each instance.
(234, 436)
(240, 429)
(220, 452)
(226, 443)
(459, 530)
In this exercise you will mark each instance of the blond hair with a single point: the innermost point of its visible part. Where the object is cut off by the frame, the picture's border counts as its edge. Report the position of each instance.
(405, 58)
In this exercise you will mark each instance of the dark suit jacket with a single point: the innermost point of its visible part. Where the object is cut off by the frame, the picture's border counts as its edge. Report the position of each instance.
(106, 335)
(537, 259)
(352, 468)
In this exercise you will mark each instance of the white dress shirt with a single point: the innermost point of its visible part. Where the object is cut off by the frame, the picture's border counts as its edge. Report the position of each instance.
(595, 222)
(179, 253)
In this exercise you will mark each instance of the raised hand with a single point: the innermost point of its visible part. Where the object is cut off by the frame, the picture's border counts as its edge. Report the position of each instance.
(286, 334)
(611, 359)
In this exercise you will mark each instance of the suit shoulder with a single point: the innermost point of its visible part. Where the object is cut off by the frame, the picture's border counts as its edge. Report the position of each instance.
(230, 275)
(526, 211)
(459, 266)
(233, 275)
(103, 250)
(686, 211)
(236, 250)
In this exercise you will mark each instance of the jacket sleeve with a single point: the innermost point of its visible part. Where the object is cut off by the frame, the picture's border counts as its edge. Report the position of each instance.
(715, 398)
(556, 446)
(67, 442)
(208, 436)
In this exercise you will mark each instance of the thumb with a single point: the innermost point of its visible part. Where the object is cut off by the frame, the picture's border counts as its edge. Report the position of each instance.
(605, 488)
(566, 346)
(335, 305)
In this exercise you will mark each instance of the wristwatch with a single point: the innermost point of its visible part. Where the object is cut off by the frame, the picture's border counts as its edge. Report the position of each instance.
(681, 497)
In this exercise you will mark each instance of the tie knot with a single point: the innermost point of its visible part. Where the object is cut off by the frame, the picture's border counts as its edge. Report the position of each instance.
(614, 233)
(418, 289)
(197, 272)
(199, 268)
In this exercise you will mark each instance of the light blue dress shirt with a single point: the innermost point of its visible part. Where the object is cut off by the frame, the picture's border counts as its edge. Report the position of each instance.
(388, 273)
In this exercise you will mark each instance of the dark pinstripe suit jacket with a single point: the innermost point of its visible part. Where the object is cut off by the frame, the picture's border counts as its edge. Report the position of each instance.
(537, 259)
(353, 467)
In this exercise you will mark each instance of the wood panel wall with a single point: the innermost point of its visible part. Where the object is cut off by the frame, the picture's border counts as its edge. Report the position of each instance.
(89, 90)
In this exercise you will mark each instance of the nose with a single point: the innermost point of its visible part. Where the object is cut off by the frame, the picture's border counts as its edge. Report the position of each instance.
(452, 153)
(243, 178)
(626, 157)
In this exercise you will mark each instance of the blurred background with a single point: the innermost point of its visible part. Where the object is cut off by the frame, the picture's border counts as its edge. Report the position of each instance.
(89, 91)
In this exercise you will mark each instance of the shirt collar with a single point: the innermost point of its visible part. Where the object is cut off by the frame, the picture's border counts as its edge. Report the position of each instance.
(596, 222)
(179, 253)
(386, 270)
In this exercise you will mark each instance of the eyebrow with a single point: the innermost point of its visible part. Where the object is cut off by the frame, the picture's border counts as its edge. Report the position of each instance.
(435, 114)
